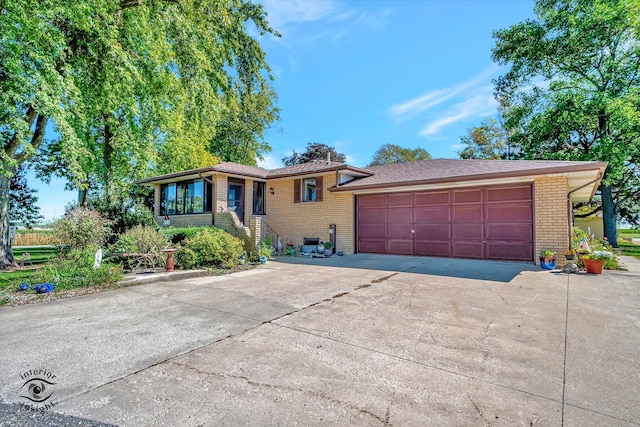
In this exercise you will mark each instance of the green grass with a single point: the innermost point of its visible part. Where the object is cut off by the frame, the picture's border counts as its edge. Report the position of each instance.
(13, 279)
(39, 254)
(629, 249)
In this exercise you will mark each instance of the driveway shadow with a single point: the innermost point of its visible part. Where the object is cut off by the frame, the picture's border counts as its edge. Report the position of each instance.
(497, 271)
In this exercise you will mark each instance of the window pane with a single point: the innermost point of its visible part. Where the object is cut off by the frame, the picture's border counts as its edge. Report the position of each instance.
(309, 190)
(194, 196)
(181, 192)
(258, 197)
(168, 199)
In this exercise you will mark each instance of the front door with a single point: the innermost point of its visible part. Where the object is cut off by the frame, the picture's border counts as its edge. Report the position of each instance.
(235, 198)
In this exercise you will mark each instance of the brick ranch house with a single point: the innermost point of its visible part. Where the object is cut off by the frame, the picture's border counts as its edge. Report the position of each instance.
(482, 209)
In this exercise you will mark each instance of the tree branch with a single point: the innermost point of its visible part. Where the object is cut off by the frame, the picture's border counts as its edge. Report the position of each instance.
(14, 143)
(36, 139)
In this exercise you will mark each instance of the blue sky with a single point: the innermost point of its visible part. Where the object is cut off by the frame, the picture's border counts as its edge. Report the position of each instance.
(356, 75)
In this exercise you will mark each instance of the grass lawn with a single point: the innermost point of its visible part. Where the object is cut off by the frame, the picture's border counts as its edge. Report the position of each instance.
(40, 255)
(629, 249)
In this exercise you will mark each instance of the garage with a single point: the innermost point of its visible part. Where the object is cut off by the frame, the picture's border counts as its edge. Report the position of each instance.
(492, 223)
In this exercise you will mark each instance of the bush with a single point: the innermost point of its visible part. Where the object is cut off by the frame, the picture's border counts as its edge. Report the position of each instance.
(142, 239)
(185, 258)
(178, 235)
(215, 247)
(81, 228)
(124, 211)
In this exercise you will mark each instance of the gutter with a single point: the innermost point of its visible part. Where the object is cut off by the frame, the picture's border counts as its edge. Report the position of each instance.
(569, 207)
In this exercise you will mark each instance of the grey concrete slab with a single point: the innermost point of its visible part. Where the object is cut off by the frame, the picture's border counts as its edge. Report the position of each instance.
(357, 340)
(325, 382)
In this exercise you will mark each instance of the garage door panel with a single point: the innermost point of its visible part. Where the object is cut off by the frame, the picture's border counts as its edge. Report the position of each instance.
(400, 247)
(372, 201)
(467, 196)
(400, 215)
(427, 232)
(432, 215)
(401, 199)
(509, 251)
(399, 231)
(432, 198)
(373, 246)
(468, 249)
(509, 232)
(373, 231)
(508, 213)
(467, 214)
(508, 194)
(440, 248)
(372, 216)
(468, 232)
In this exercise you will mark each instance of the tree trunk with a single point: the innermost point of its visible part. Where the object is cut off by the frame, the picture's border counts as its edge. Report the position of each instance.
(6, 254)
(609, 215)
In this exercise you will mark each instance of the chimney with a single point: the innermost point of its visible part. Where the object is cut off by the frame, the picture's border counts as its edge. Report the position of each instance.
(328, 157)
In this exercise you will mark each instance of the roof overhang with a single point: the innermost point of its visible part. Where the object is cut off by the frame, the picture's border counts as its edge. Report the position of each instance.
(582, 182)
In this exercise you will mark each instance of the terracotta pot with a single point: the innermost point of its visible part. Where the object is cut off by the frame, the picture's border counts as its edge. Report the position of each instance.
(593, 266)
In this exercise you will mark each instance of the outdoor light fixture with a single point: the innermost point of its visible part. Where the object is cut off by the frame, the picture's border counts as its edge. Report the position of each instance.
(271, 190)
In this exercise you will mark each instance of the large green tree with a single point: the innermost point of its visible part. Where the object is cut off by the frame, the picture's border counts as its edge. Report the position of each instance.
(573, 92)
(392, 153)
(117, 81)
(488, 141)
(314, 151)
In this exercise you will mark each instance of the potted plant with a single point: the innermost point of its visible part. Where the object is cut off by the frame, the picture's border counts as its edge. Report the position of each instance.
(547, 259)
(328, 248)
(594, 261)
(569, 255)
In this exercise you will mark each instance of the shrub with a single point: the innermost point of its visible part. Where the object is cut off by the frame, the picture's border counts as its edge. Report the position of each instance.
(124, 211)
(185, 258)
(141, 239)
(215, 247)
(178, 235)
(81, 228)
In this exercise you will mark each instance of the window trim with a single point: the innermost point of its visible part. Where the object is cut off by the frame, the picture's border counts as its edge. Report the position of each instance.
(182, 188)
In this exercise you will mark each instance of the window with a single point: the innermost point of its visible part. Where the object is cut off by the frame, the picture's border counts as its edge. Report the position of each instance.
(185, 197)
(309, 190)
(258, 197)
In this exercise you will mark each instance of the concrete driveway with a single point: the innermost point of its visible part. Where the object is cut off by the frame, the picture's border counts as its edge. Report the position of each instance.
(357, 340)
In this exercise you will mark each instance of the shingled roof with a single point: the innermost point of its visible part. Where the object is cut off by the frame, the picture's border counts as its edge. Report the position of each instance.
(424, 172)
(437, 171)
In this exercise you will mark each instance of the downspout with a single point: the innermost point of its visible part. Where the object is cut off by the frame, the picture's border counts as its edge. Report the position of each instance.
(213, 191)
(569, 207)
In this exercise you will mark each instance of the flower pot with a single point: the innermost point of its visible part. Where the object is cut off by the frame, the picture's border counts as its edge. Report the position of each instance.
(593, 266)
(547, 263)
(569, 257)
(328, 252)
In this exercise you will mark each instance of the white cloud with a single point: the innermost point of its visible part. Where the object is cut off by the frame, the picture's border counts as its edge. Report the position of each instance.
(414, 107)
(479, 106)
(282, 14)
(270, 162)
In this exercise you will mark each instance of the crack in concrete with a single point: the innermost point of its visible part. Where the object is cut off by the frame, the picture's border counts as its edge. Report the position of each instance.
(481, 414)
(287, 388)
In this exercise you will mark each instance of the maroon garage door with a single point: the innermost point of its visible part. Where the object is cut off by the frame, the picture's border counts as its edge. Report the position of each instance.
(484, 223)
